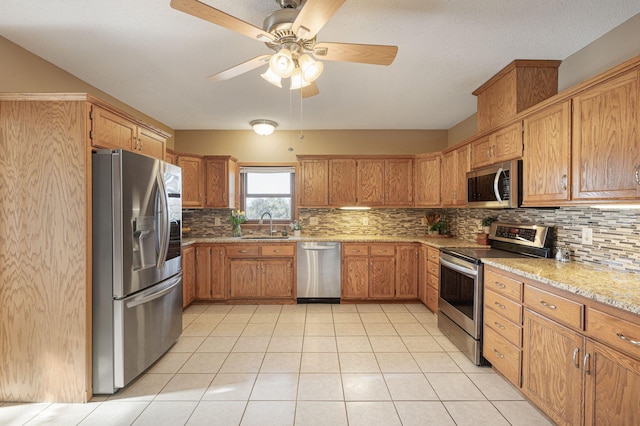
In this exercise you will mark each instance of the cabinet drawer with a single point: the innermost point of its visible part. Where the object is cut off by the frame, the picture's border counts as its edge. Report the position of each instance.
(505, 307)
(433, 268)
(555, 307)
(504, 357)
(355, 250)
(433, 254)
(432, 299)
(613, 331)
(242, 250)
(277, 250)
(433, 281)
(505, 286)
(383, 250)
(505, 328)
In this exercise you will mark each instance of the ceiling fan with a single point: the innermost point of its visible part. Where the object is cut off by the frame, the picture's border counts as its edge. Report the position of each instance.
(291, 34)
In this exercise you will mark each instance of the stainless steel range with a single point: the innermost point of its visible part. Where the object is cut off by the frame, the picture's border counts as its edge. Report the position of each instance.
(461, 279)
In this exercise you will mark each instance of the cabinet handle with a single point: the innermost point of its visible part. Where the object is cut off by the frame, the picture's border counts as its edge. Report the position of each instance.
(638, 174)
(276, 251)
(585, 364)
(243, 251)
(563, 182)
(499, 305)
(140, 144)
(500, 326)
(576, 363)
(355, 251)
(498, 353)
(626, 339)
(546, 305)
(500, 285)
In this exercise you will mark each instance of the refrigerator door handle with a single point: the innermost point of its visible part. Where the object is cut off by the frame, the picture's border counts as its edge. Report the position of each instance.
(152, 294)
(164, 221)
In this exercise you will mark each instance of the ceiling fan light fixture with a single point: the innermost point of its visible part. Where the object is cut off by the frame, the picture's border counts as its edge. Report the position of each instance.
(272, 78)
(311, 69)
(263, 127)
(281, 63)
(297, 80)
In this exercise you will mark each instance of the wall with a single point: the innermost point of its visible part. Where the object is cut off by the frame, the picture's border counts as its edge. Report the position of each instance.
(246, 146)
(24, 72)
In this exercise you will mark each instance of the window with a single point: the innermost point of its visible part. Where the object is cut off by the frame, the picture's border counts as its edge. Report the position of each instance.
(267, 189)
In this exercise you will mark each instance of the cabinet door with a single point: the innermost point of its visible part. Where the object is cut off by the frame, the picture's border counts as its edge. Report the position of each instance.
(406, 272)
(507, 143)
(170, 157)
(481, 152)
(462, 167)
(217, 273)
(398, 175)
(150, 143)
(203, 272)
(244, 276)
(547, 155)
(216, 183)
(342, 182)
(552, 374)
(109, 130)
(382, 277)
(277, 278)
(371, 182)
(314, 183)
(612, 386)
(423, 273)
(192, 181)
(355, 277)
(606, 149)
(188, 276)
(427, 181)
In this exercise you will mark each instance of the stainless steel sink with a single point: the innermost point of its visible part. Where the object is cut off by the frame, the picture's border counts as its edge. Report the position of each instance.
(263, 237)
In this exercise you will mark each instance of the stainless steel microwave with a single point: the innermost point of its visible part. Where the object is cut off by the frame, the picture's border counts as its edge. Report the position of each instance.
(498, 186)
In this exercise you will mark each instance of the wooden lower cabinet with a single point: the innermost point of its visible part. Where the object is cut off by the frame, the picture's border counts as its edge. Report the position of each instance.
(553, 368)
(381, 277)
(406, 271)
(210, 272)
(355, 277)
(188, 275)
(251, 278)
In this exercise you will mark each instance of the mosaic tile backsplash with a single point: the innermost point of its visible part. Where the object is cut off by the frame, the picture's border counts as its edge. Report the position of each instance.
(616, 233)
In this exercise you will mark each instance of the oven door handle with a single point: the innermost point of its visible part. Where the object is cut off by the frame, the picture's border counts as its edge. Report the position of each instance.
(458, 268)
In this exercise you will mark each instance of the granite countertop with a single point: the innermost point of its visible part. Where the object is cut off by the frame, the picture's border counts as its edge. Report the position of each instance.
(617, 289)
(434, 242)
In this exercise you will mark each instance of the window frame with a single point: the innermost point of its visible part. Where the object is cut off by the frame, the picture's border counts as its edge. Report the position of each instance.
(242, 178)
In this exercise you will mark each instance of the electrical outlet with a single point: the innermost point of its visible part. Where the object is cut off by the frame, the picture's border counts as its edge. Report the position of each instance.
(365, 221)
(313, 220)
(217, 221)
(587, 236)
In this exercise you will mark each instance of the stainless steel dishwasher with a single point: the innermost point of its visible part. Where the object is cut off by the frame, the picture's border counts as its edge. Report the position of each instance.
(318, 272)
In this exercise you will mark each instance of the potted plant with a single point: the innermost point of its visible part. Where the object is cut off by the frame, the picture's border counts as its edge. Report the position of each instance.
(486, 223)
(296, 227)
(437, 228)
(431, 220)
(236, 218)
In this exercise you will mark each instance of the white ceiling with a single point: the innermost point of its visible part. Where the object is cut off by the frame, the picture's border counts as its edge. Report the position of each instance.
(156, 59)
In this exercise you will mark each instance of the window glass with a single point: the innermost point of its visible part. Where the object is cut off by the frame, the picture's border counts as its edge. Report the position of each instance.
(268, 191)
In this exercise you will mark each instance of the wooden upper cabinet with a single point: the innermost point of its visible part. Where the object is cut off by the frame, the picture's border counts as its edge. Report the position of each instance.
(114, 131)
(455, 165)
(192, 180)
(399, 182)
(314, 183)
(502, 145)
(606, 140)
(547, 156)
(371, 182)
(220, 181)
(342, 182)
(171, 157)
(427, 180)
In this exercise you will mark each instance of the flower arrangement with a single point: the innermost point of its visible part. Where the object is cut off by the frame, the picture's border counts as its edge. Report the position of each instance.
(296, 226)
(236, 218)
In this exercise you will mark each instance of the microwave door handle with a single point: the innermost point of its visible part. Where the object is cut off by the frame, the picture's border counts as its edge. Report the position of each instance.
(164, 221)
(495, 184)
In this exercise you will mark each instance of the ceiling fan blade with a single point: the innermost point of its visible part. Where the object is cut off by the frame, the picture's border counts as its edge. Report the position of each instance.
(361, 53)
(215, 16)
(310, 90)
(240, 68)
(313, 15)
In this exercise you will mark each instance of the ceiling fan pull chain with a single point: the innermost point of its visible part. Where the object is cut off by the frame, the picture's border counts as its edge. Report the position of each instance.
(290, 122)
(301, 136)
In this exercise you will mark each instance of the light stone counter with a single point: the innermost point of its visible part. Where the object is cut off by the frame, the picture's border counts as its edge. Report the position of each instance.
(434, 242)
(617, 289)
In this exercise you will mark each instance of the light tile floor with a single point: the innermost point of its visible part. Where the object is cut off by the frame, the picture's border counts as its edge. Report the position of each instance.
(367, 364)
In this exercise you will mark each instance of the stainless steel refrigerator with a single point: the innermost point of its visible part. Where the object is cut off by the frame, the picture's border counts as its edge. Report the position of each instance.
(137, 269)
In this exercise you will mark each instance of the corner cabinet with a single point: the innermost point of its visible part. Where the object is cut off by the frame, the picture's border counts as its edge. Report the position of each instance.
(210, 272)
(427, 180)
(455, 165)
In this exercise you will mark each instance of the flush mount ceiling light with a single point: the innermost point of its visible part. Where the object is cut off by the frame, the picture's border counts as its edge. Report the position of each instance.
(290, 33)
(263, 127)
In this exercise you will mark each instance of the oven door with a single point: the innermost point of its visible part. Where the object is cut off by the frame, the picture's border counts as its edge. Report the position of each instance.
(460, 294)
